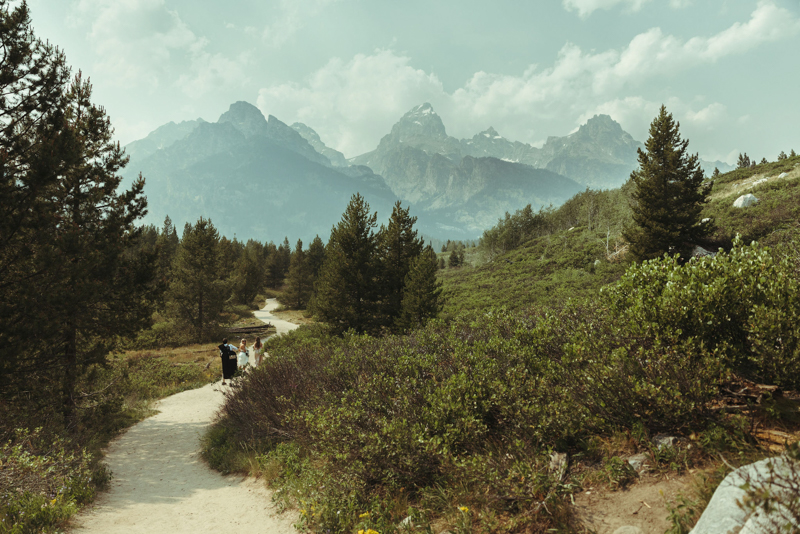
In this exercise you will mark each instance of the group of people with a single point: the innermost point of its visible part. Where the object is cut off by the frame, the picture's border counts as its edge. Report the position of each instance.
(234, 358)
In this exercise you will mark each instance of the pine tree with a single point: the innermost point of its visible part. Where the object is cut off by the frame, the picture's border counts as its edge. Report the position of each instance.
(792, 153)
(668, 195)
(299, 282)
(743, 161)
(716, 173)
(247, 274)
(200, 285)
(346, 290)
(763, 161)
(167, 244)
(422, 292)
(316, 257)
(398, 245)
(454, 260)
(74, 274)
(782, 156)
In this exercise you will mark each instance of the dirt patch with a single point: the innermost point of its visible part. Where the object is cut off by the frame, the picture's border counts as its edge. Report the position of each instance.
(641, 505)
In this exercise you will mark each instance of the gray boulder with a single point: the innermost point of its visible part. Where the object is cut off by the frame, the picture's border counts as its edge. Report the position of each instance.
(723, 514)
(745, 201)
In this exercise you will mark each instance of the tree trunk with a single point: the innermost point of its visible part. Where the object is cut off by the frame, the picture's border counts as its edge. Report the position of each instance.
(70, 372)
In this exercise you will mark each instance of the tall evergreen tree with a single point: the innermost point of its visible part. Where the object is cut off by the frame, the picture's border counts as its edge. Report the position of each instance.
(299, 281)
(167, 244)
(73, 273)
(247, 275)
(421, 293)
(200, 285)
(316, 257)
(668, 195)
(345, 292)
(743, 162)
(454, 259)
(398, 246)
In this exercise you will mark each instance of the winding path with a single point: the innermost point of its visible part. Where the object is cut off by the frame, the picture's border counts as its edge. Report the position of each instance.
(161, 484)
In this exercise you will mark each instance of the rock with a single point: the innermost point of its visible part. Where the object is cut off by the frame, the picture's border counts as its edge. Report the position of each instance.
(783, 175)
(663, 440)
(706, 220)
(639, 461)
(629, 529)
(723, 514)
(701, 252)
(745, 201)
(758, 182)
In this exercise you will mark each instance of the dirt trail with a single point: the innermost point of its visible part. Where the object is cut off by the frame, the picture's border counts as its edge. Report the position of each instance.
(161, 484)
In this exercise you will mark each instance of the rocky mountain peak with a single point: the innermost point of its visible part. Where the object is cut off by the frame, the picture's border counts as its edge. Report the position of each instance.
(421, 122)
(599, 125)
(491, 133)
(246, 118)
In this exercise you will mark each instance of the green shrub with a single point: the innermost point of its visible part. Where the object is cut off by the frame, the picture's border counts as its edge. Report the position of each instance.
(741, 306)
(45, 478)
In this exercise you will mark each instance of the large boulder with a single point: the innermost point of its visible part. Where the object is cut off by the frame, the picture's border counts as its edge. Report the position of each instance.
(745, 201)
(723, 514)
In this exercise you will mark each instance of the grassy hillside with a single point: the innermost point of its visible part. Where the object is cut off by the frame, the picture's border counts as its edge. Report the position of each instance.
(568, 260)
(546, 270)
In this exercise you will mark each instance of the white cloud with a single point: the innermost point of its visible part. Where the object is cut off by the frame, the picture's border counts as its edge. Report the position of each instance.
(635, 113)
(352, 103)
(292, 18)
(142, 43)
(587, 7)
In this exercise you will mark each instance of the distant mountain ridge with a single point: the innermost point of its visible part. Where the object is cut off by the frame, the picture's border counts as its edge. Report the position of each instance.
(600, 154)
(257, 176)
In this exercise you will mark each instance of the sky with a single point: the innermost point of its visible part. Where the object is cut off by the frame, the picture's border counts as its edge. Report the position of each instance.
(728, 70)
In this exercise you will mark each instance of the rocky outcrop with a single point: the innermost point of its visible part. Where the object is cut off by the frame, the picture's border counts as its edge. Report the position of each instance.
(723, 514)
(745, 201)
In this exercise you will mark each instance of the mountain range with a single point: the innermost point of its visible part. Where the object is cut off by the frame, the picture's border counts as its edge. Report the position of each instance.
(257, 177)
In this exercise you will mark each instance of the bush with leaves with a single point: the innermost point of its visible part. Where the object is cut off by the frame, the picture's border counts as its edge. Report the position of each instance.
(742, 306)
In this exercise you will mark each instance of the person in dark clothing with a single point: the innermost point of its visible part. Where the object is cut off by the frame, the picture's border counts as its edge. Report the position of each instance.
(228, 355)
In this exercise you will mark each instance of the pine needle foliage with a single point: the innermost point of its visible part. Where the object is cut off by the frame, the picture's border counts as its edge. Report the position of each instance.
(346, 290)
(669, 194)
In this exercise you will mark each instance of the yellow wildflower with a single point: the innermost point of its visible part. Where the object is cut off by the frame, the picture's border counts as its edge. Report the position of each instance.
(362, 516)
(53, 501)
(463, 509)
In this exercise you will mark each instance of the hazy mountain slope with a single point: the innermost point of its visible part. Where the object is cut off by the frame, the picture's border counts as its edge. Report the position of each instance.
(308, 133)
(250, 184)
(600, 154)
(489, 143)
(424, 165)
(161, 137)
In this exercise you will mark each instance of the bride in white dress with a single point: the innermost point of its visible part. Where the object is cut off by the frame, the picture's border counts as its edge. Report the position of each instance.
(258, 352)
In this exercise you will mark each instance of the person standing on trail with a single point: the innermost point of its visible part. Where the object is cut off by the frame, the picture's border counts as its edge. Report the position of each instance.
(243, 356)
(258, 352)
(228, 355)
